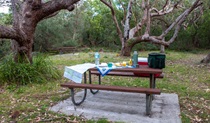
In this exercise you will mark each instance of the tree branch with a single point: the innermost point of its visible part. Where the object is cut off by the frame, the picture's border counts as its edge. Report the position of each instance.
(7, 32)
(182, 17)
(162, 20)
(151, 39)
(166, 4)
(50, 7)
(147, 31)
(127, 20)
(187, 12)
(165, 10)
(135, 29)
(36, 4)
(124, 11)
(115, 19)
(52, 15)
(15, 14)
(178, 23)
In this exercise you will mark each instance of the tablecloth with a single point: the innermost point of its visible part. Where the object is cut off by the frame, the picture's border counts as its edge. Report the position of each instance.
(75, 73)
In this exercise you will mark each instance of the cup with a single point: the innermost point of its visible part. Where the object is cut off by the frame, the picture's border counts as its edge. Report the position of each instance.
(110, 64)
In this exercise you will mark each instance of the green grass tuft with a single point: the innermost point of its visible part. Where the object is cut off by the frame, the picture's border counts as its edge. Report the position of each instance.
(42, 70)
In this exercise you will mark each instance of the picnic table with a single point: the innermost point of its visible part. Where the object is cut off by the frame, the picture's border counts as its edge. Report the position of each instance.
(143, 70)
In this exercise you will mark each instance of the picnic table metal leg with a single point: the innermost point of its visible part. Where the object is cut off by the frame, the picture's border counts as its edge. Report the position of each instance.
(90, 81)
(148, 103)
(99, 79)
(84, 96)
(73, 98)
(152, 82)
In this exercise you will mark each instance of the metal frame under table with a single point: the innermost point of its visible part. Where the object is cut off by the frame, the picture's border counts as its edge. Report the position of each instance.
(141, 69)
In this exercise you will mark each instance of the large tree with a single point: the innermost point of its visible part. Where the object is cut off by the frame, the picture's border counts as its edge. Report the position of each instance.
(26, 15)
(141, 32)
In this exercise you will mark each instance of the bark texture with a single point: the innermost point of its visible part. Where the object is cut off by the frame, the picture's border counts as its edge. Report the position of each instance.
(206, 59)
(26, 15)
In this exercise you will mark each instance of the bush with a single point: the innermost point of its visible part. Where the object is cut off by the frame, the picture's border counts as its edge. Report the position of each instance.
(42, 70)
(146, 46)
(4, 47)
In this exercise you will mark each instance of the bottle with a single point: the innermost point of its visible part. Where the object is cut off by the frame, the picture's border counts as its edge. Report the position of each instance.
(97, 57)
(135, 59)
(130, 62)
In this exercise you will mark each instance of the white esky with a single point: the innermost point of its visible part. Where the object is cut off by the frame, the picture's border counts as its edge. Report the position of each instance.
(4, 9)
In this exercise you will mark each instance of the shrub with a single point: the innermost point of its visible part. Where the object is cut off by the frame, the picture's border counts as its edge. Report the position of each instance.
(146, 46)
(42, 70)
(4, 47)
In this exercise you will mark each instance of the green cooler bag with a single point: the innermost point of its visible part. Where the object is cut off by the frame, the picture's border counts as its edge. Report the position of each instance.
(156, 60)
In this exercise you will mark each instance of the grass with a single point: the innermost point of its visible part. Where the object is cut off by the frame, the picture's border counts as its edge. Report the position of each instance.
(42, 70)
(183, 76)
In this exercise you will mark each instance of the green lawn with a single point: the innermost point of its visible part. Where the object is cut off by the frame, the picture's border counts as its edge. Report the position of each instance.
(183, 76)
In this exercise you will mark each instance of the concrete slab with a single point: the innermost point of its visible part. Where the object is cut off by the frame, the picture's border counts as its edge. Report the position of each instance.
(123, 107)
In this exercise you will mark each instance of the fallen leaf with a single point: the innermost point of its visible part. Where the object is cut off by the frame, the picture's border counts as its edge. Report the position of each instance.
(15, 114)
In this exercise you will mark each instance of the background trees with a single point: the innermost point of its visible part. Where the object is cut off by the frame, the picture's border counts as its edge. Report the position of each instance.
(88, 25)
(91, 24)
(99, 30)
(67, 30)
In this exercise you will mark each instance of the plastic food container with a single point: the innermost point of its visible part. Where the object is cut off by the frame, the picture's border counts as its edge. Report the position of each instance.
(142, 61)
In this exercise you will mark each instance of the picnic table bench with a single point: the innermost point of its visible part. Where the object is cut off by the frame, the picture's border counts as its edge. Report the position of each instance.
(62, 50)
(119, 72)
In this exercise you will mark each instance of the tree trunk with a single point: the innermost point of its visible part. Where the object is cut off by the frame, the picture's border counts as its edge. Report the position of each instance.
(24, 23)
(22, 52)
(128, 45)
(206, 59)
(23, 46)
(126, 51)
(162, 49)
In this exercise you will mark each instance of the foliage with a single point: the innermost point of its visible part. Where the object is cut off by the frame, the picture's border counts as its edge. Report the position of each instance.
(203, 30)
(99, 28)
(5, 19)
(66, 31)
(4, 47)
(183, 42)
(91, 24)
(194, 34)
(42, 70)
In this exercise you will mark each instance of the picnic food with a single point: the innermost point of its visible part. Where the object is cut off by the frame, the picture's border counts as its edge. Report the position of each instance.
(120, 64)
(117, 64)
(123, 64)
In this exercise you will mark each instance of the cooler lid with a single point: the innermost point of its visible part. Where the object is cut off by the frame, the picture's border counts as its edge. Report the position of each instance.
(142, 59)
